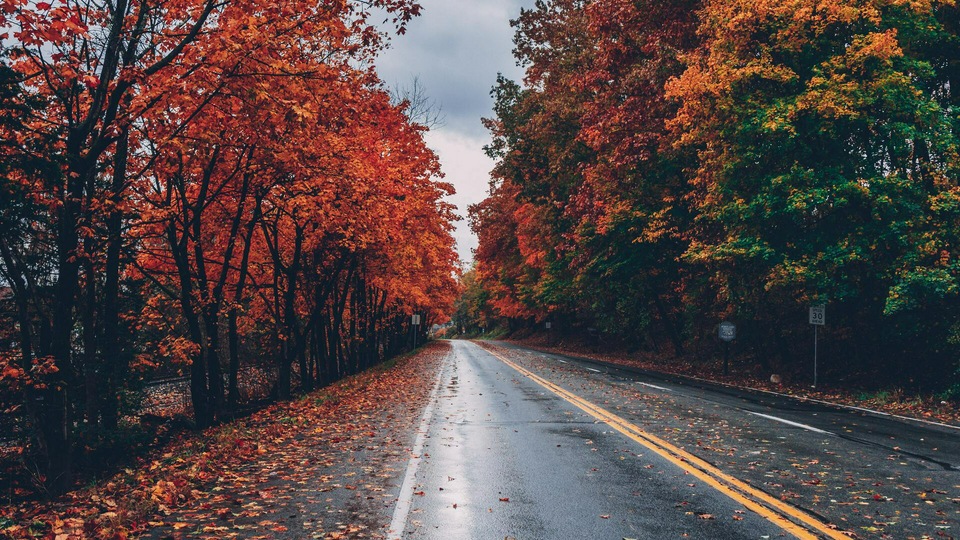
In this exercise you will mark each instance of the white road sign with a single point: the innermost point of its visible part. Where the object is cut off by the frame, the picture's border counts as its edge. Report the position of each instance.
(727, 331)
(818, 315)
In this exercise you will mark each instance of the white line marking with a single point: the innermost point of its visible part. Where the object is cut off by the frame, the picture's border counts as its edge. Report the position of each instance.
(593, 370)
(564, 361)
(855, 408)
(881, 413)
(405, 500)
(654, 386)
(789, 423)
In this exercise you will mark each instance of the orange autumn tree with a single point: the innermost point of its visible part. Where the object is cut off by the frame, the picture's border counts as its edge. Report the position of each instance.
(383, 239)
(167, 129)
(665, 166)
(522, 226)
(87, 63)
(311, 170)
(630, 210)
(585, 156)
(257, 126)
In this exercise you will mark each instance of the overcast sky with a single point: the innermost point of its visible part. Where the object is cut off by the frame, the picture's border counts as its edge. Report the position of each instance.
(456, 48)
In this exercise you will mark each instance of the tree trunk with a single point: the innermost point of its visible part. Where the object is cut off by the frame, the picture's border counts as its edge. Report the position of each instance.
(113, 366)
(233, 337)
(55, 415)
(291, 324)
(211, 321)
(91, 377)
(203, 413)
(667, 320)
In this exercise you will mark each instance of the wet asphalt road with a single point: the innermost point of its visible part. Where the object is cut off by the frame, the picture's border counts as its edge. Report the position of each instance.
(927, 443)
(503, 457)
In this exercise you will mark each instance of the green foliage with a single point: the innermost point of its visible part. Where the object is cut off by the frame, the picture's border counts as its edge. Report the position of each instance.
(670, 170)
(472, 310)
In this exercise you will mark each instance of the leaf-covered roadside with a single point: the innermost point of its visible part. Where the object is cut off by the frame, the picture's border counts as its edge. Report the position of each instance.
(893, 401)
(192, 485)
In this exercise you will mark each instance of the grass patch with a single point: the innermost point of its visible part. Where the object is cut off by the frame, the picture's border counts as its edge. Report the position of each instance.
(882, 396)
(389, 364)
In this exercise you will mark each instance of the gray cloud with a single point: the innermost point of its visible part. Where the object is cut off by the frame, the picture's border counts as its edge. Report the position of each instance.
(455, 49)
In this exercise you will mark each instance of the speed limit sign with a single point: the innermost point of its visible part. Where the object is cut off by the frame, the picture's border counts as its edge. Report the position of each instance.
(818, 315)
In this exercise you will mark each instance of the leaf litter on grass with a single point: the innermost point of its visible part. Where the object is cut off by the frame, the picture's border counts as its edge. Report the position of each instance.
(322, 466)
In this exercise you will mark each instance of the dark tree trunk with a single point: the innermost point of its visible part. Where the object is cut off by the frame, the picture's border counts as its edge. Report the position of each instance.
(291, 324)
(211, 321)
(114, 368)
(323, 346)
(91, 377)
(203, 413)
(666, 318)
(233, 337)
(55, 415)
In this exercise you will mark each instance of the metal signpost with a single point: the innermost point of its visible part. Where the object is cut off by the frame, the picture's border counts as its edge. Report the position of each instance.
(727, 332)
(818, 317)
(415, 322)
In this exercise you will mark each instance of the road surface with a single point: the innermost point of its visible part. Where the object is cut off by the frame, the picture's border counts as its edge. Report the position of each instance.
(526, 445)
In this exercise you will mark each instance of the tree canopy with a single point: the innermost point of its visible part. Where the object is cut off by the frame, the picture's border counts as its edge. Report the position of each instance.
(199, 185)
(665, 166)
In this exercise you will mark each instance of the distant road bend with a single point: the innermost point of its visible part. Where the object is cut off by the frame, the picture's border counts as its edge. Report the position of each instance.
(521, 444)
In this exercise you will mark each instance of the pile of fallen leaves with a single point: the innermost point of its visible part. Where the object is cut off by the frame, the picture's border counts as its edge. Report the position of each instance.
(137, 498)
(893, 401)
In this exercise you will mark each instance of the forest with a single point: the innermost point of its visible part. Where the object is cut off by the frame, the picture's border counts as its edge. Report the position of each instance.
(191, 188)
(665, 166)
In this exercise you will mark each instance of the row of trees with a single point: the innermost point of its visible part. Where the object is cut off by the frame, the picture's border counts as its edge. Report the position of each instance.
(200, 183)
(666, 165)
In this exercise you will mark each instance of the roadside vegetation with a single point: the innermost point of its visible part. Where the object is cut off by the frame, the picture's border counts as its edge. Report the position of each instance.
(219, 194)
(200, 483)
(664, 167)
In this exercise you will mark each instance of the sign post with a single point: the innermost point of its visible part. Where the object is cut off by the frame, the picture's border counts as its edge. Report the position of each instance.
(727, 332)
(415, 322)
(818, 318)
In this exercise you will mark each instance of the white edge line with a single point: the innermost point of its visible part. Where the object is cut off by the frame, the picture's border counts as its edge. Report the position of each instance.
(564, 361)
(855, 408)
(789, 423)
(405, 499)
(593, 370)
(655, 386)
(881, 413)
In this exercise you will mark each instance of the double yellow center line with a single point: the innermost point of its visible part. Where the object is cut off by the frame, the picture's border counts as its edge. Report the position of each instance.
(789, 518)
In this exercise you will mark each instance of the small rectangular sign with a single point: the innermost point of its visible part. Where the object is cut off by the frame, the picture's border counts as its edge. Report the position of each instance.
(727, 331)
(416, 319)
(818, 315)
